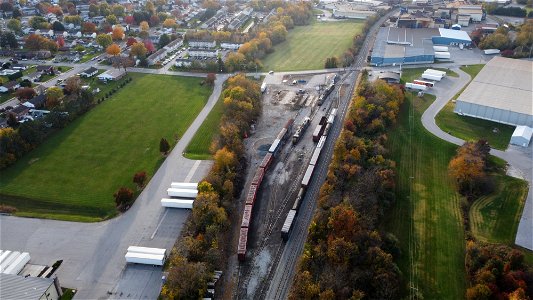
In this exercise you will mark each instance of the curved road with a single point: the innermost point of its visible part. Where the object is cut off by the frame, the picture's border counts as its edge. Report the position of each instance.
(519, 159)
(93, 253)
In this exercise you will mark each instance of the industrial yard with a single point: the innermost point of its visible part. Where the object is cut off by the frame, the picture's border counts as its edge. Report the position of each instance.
(280, 152)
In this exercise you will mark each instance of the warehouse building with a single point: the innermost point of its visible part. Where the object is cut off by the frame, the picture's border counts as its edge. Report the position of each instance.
(501, 92)
(29, 288)
(403, 46)
(451, 37)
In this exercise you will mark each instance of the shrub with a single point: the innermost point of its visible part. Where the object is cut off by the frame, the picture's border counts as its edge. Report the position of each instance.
(123, 197)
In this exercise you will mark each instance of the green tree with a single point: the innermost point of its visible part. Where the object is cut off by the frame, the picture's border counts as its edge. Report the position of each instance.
(111, 19)
(14, 25)
(164, 40)
(104, 40)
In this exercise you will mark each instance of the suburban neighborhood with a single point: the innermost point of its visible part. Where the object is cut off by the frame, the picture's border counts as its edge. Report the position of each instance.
(265, 149)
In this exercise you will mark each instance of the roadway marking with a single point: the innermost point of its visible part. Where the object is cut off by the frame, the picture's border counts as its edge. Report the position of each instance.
(192, 171)
(155, 231)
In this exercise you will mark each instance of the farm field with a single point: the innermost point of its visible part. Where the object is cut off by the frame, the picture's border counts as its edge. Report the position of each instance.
(307, 47)
(74, 173)
(426, 217)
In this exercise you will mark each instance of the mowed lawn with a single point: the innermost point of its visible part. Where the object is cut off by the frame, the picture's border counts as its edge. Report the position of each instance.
(199, 146)
(307, 47)
(73, 175)
(426, 217)
(494, 218)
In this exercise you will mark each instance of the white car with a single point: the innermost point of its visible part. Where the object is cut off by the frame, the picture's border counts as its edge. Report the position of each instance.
(270, 72)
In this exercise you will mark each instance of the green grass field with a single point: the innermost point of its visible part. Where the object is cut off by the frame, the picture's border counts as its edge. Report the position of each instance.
(426, 217)
(74, 173)
(494, 218)
(307, 47)
(469, 129)
(410, 74)
(198, 148)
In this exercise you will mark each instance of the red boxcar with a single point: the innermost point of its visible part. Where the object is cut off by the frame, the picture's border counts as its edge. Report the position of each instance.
(241, 249)
(266, 161)
(246, 216)
(258, 177)
(252, 192)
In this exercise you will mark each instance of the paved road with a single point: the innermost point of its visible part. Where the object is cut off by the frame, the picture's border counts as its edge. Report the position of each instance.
(520, 159)
(93, 254)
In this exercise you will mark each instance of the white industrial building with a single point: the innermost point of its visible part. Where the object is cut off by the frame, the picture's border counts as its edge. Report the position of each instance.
(522, 136)
(501, 92)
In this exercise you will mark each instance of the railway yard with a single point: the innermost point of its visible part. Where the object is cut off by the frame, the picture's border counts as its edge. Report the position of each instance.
(282, 151)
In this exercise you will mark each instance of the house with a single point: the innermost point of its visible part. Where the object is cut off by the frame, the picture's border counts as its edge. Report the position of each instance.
(202, 44)
(33, 77)
(18, 67)
(20, 110)
(3, 89)
(43, 69)
(110, 75)
(89, 72)
(38, 101)
(201, 53)
(12, 85)
(230, 46)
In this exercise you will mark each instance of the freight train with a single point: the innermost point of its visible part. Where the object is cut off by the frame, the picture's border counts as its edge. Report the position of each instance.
(256, 184)
(325, 94)
(291, 217)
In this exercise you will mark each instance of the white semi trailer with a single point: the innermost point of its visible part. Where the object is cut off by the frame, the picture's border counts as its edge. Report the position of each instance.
(430, 76)
(177, 203)
(415, 86)
(440, 48)
(182, 193)
(184, 185)
(442, 55)
(437, 72)
(145, 259)
(147, 250)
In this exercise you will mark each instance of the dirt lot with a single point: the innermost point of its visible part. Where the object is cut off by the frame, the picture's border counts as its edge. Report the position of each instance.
(287, 97)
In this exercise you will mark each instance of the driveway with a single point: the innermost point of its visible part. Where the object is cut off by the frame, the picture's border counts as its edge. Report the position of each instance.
(93, 253)
(520, 159)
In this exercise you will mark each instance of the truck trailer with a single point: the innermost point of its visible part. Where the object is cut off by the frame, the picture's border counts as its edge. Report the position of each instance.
(263, 87)
(177, 203)
(436, 72)
(491, 51)
(442, 55)
(414, 86)
(145, 258)
(182, 193)
(184, 185)
(430, 76)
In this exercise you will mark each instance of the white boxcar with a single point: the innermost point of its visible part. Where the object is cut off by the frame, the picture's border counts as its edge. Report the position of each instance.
(184, 185)
(177, 203)
(182, 193)
(145, 259)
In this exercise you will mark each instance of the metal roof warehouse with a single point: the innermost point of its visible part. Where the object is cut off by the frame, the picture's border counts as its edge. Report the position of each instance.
(501, 92)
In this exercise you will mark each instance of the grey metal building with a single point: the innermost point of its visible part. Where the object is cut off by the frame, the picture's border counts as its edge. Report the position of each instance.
(502, 92)
(29, 288)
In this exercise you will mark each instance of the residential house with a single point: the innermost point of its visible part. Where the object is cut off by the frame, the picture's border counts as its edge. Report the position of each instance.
(44, 69)
(202, 43)
(111, 75)
(11, 85)
(89, 72)
(202, 53)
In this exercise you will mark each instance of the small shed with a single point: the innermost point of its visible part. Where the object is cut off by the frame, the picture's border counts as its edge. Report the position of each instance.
(522, 136)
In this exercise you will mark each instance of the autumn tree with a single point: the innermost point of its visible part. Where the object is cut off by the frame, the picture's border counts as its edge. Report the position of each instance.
(164, 146)
(25, 93)
(186, 280)
(169, 23)
(138, 50)
(104, 40)
(113, 49)
(140, 179)
(111, 19)
(73, 85)
(149, 46)
(60, 41)
(123, 196)
(144, 26)
(89, 27)
(131, 41)
(210, 79)
(467, 168)
(14, 25)
(53, 96)
(118, 33)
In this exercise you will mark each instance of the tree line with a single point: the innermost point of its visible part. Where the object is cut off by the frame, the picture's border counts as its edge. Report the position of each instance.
(513, 42)
(346, 255)
(494, 271)
(204, 246)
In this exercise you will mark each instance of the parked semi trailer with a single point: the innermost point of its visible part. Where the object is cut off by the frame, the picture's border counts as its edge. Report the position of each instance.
(430, 76)
(414, 86)
(442, 55)
(436, 72)
(491, 51)
(184, 185)
(182, 193)
(177, 203)
(145, 259)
